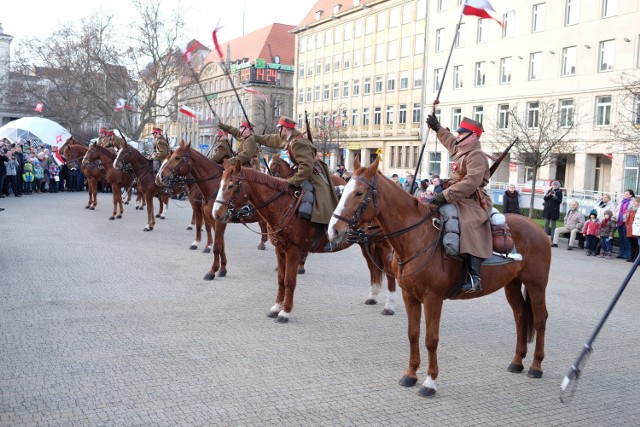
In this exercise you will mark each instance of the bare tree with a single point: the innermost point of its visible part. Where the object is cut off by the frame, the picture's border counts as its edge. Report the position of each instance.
(327, 134)
(544, 135)
(626, 128)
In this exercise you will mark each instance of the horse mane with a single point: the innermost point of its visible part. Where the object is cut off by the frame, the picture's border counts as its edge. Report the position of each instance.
(105, 151)
(198, 155)
(278, 184)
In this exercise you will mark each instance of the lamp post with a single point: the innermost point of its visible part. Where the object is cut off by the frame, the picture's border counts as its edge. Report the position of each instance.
(343, 120)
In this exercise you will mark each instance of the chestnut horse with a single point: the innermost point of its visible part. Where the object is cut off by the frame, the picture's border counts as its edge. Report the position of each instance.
(130, 159)
(184, 163)
(74, 151)
(427, 277)
(281, 168)
(292, 236)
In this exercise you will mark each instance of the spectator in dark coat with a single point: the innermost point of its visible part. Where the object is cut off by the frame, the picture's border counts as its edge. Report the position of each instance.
(511, 202)
(551, 212)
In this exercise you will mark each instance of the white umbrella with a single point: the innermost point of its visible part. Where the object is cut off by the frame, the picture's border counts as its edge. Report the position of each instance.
(46, 131)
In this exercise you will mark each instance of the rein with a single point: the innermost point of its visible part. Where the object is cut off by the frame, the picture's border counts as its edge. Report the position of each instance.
(180, 179)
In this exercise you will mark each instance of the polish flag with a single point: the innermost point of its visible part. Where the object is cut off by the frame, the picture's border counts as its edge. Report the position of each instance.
(39, 107)
(58, 157)
(189, 52)
(480, 9)
(214, 36)
(58, 139)
(121, 104)
(188, 112)
(255, 92)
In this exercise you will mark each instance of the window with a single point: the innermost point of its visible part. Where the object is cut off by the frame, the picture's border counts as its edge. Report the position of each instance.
(419, 44)
(391, 82)
(572, 11)
(631, 169)
(404, 80)
(442, 5)
(394, 17)
(378, 84)
(405, 47)
(435, 159)
(299, 121)
(377, 115)
(366, 90)
(317, 93)
(417, 78)
(503, 116)
(336, 62)
(416, 113)
(480, 73)
(460, 35)
(348, 31)
(357, 32)
(478, 113)
(319, 40)
(368, 24)
(421, 9)
(569, 55)
(535, 66)
(300, 96)
(437, 79)
(367, 55)
(355, 117)
(365, 117)
(609, 8)
(356, 87)
(327, 65)
(566, 113)
(402, 114)
(505, 70)
(318, 66)
(345, 89)
(357, 57)
(346, 60)
(457, 76)
(337, 35)
(325, 92)
(508, 24)
(392, 50)
(456, 118)
(607, 50)
(336, 90)
(400, 156)
(389, 115)
(328, 38)
(301, 71)
(309, 69)
(380, 52)
(603, 110)
(302, 45)
(407, 13)
(311, 45)
(481, 34)
(309, 94)
(382, 21)
(439, 39)
(533, 114)
(636, 111)
(537, 21)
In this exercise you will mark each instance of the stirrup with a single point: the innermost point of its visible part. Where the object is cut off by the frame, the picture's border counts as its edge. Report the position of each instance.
(475, 282)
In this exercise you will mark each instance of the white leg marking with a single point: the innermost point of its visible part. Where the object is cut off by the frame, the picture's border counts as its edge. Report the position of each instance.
(391, 302)
(374, 291)
(283, 314)
(429, 383)
(275, 308)
(195, 243)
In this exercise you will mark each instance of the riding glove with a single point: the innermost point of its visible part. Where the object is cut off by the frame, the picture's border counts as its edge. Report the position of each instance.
(433, 123)
(438, 200)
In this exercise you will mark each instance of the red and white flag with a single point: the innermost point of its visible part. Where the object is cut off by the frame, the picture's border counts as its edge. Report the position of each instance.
(121, 104)
(189, 112)
(480, 9)
(255, 92)
(59, 139)
(39, 107)
(190, 50)
(214, 36)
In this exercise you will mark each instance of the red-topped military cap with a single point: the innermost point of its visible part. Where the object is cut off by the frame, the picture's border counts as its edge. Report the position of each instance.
(286, 122)
(246, 124)
(103, 130)
(469, 125)
(156, 130)
(109, 133)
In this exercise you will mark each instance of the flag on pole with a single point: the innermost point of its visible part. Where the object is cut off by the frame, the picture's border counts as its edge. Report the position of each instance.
(255, 92)
(190, 51)
(121, 104)
(188, 112)
(215, 40)
(480, 9)
(39, 107)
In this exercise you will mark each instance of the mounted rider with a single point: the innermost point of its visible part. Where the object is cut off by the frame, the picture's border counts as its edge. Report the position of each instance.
(247, 147)
(108, 139)
(312, 174)
(222, 149)
(469, 176)
(160, 149)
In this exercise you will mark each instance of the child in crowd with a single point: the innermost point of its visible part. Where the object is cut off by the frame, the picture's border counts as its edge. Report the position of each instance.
(591, 231)
(607, 230)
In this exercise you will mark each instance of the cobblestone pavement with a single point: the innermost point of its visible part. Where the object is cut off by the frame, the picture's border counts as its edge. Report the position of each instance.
(104, 324)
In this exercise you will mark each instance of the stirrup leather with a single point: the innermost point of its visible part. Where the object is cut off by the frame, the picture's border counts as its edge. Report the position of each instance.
(476, 284)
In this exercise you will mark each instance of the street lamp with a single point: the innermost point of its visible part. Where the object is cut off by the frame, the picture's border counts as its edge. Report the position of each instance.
(343, 120)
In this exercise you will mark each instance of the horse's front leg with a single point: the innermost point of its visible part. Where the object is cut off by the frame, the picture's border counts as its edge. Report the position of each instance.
(282, 267)
(93, 192)
(218, 245)
(432, 315)
(151, 221)
(196, 218)
(414, 314)
(264, 236)
(293, 256)
(209, 223)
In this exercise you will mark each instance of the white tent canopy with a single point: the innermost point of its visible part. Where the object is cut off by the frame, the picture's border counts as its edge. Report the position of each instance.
(46, 131)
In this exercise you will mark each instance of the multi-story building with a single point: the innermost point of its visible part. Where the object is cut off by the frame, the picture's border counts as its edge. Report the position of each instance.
(360, 78)
(261, 66)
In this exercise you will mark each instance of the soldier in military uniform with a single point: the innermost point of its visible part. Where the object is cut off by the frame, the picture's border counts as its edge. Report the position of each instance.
(102, 138)
(469, 176)
(312, 174)
(160, 149)
(247, 147)
(222, 149)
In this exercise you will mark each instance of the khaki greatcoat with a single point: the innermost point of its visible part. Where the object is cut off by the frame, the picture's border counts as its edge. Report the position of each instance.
(222, 151)
(469, 172)
(303, 153)
(247, 147)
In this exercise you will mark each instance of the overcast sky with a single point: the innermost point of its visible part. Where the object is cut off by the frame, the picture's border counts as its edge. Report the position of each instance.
(25, 19)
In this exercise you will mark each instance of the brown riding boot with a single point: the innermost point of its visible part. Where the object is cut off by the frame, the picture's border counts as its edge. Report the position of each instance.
(473, 282)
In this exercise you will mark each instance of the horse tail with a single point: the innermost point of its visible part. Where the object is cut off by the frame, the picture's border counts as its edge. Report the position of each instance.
(528, 317)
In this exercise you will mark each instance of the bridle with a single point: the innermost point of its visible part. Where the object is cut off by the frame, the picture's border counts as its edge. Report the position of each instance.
(372, 194)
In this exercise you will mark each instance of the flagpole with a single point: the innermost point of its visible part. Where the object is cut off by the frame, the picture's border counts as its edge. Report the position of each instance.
(437, 100)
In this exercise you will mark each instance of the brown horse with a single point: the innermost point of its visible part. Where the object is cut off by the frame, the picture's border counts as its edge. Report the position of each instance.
(74, 151)
(130, 159)
(292, 236)
(427, 277)
(281, 168)
(178, 167)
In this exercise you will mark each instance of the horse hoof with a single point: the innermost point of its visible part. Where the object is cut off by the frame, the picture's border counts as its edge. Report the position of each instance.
(147, 229)
(126, 203)
(86, 207)
(206, 250)
(157, 215)
(388, 312)
(426, 391)
(111, 218)
(163, 217)
(371, 301)
(534, 373)
(272, 314)
(189, 228)
(516, 369)
(262, 247)
(222, 273)
(92, 208)
(193, 247)
(406, 381)
(282, 319)
(301, 271)
(209, 276)
(119, 217)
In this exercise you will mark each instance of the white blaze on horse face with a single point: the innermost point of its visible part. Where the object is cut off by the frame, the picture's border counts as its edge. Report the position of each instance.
(348, 189)
(217, 205)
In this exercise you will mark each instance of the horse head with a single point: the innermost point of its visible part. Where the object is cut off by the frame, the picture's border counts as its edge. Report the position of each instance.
(233, 192)
(176, 166)
(123, 159)
(92, 153)
(276, 165)
(73, 151)
(358, 204)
